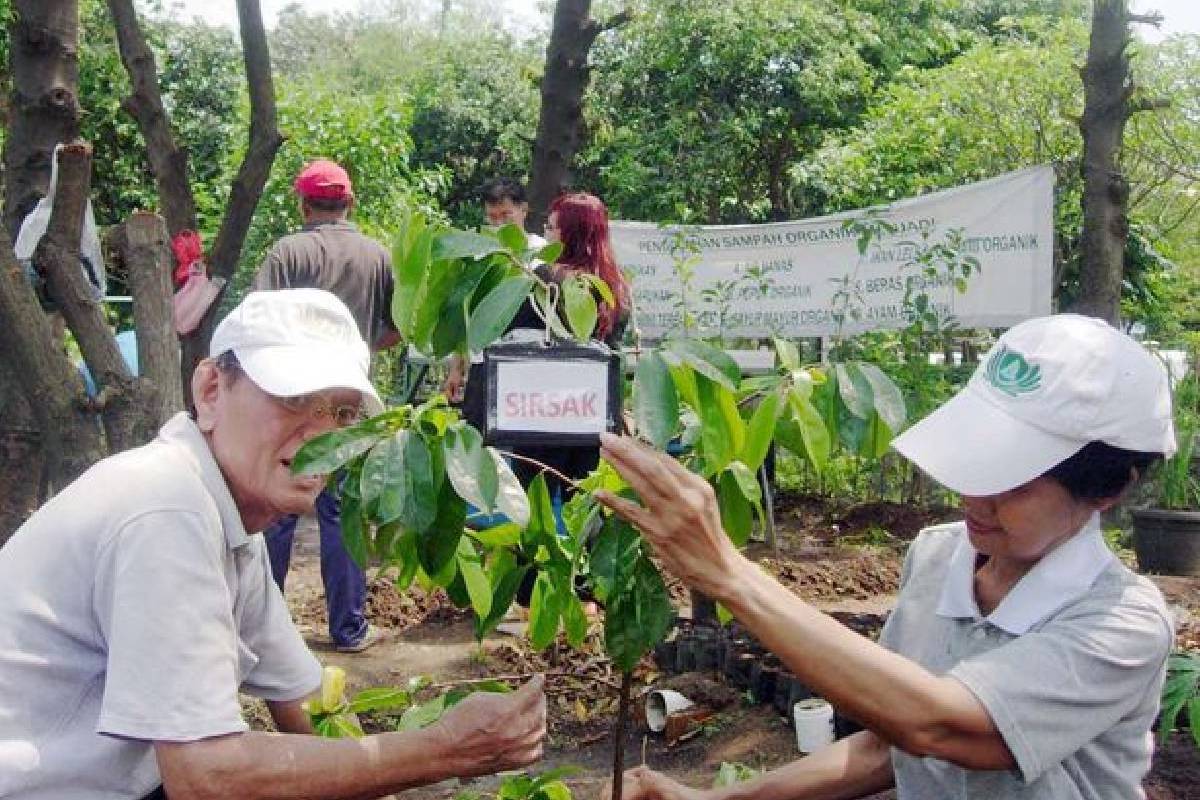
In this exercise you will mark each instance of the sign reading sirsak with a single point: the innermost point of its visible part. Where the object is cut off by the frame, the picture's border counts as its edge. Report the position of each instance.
(782, 278)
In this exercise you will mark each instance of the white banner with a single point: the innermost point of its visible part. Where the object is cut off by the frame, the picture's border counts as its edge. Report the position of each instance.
(784, 278)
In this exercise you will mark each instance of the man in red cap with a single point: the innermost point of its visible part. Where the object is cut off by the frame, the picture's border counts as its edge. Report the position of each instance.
(331, 254)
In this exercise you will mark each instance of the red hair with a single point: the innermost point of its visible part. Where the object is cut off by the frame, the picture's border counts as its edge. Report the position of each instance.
(583, 229)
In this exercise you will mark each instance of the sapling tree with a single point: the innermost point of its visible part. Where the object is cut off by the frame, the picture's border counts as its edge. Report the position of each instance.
(408, 476)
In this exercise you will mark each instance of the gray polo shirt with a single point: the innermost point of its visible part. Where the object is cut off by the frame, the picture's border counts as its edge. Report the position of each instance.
(335, 257)
(1069, 666)
(134, 605)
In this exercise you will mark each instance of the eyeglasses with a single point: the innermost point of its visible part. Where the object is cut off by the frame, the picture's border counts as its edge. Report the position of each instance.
(318, 408)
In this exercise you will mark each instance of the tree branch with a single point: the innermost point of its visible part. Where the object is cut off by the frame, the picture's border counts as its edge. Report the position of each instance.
(142, 241)
(1154, 18)
(1146, 104)
(167, 160)
(57, 259)
(265, 141)
(247, 187)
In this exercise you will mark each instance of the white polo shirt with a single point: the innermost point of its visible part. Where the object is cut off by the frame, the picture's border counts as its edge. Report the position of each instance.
(1069, 666)
(134, 605)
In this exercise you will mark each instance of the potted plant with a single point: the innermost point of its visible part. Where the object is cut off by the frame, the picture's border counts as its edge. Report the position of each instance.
(1166, 533)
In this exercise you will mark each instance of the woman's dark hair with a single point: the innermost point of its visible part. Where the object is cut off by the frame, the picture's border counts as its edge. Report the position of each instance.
(1099, 470)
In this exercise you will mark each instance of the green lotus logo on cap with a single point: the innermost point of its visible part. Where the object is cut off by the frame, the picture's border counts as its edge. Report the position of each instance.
(1009, 372)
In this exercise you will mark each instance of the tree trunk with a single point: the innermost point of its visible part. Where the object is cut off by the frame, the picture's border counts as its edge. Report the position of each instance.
(39, 365)
(1106, 88)
(265, 141)
(1108, 91)
(143, 244)
(168, 161)
(560, 123)
(44, 109)
(127, 405)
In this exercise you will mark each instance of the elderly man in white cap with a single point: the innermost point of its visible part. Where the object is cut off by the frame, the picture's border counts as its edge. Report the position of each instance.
(1023, 659)
(139, 600)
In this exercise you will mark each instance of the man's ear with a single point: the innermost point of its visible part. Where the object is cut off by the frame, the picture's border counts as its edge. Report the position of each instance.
(206, 388)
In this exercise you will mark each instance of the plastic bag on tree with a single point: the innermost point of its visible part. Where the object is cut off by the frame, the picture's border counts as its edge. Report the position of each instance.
(33, 228)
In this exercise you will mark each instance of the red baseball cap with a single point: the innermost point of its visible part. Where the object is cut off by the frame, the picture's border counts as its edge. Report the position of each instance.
(323, 180)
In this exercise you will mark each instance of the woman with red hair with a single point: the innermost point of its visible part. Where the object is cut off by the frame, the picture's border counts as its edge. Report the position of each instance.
(580, 221)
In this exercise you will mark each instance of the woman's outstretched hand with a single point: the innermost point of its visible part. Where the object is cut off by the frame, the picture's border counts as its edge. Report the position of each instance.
(678, 515)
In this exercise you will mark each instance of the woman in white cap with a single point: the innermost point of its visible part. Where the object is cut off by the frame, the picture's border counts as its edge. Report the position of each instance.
(1023, 659)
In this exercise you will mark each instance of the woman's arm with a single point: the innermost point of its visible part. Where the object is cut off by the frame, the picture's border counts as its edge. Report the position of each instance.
(856, 766)
(908, 706)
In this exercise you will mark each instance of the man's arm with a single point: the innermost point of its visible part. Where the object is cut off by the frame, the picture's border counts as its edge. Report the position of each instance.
(856, 766)
(289, 716)
(919, 712)
(481, 735)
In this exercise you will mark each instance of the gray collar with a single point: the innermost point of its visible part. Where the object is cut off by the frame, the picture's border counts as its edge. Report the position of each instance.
(181, 431)
(1062, 576)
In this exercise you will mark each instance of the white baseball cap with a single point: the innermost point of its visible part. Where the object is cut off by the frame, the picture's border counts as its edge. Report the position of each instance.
(1048, 387)
(298, 341)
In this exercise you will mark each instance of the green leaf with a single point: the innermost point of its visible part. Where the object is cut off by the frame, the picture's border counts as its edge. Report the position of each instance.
(737, 517)
(397, 482)
(545, 610)
(887, 397)
(470, 468)
(384, 698)
(815, 435)
(618, 543)
(580, 305)
(638, 617)
(456, 244)
(575, 622)
(331, 451)
(503, 592)
(601, 288)
(496, 311)
(410, 263)
(505, 535)
(854, 390)
(353, 530)
(510, 496)
(423, 715)
(761, 430)
(437, 546)
(479, 588)
(712, 363)
(541, 533)
(788, 354)
(512, 237)
(550, 253)
(722, 431)
(344, 727)
(443, 278)
(655, 402)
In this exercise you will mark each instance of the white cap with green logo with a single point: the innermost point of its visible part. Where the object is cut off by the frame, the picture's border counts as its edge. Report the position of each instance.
(1047, 388)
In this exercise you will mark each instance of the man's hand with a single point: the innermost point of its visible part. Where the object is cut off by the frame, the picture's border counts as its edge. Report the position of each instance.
(456, 379)
(678, 516)
(643, 783)
(488, 733)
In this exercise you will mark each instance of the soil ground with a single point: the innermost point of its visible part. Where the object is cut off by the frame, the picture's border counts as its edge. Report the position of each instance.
(844, 560)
